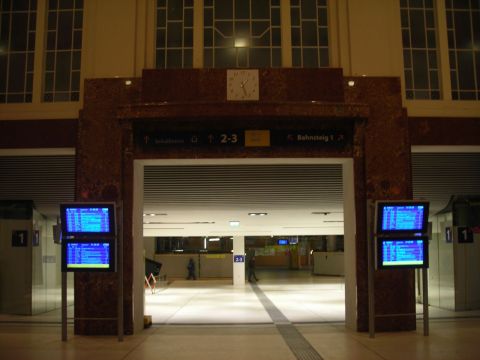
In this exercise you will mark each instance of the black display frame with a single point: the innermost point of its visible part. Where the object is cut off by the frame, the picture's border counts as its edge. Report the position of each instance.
(379, 253)
(380, 205)
(112, 266)
(84, 234)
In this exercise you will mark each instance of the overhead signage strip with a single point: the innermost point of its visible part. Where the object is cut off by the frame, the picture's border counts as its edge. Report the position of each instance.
(245, 138)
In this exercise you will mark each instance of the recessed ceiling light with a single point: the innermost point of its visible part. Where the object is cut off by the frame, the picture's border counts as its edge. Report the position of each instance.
(234, 223)
(214, 239)
(257, 214)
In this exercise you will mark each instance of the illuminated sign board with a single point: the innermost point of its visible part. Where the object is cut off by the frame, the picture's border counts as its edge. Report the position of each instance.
(88, 256)
(246, 138)
(87, 219)
(402, 217)
(402, 252)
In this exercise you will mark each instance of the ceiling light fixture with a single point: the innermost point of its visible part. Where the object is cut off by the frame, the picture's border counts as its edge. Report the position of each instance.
(258, 214)
(214, 239)
(234, 223)
(351, 83)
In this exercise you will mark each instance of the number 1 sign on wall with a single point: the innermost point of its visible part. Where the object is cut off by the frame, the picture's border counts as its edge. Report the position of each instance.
(19, 238)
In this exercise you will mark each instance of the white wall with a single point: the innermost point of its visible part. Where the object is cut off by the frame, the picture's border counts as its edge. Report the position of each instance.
(46, 268)
(454, 273)
(149, 246)
(467, 274)
(15, 269)
(30, 276)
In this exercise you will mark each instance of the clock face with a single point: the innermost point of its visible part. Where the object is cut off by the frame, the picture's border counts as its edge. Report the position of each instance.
(242, 85)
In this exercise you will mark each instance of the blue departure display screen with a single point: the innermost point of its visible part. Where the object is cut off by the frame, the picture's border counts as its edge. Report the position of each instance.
(403, 217)
(87, 220)
(282, 242)
(402, 252)
(91, 255)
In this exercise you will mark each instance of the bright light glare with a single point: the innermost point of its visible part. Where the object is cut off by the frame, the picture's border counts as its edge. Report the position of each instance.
(241, 42)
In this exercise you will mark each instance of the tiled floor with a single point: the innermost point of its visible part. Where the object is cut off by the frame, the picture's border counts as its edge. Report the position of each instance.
(239, 327)
(298, 295)
(449, 340)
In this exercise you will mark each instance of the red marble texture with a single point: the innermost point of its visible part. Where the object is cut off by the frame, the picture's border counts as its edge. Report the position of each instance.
(209, 85)
(444, 131)
(106, 150)
(99, 178)
(387, 169)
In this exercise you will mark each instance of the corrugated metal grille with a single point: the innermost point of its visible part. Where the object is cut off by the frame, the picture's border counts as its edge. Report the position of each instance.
(272, 186)
(437, 176)
(47, 180)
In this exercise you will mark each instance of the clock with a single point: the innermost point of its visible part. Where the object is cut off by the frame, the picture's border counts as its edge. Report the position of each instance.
(242, 85)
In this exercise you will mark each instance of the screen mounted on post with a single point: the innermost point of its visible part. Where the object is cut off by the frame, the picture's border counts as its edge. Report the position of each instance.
(88, 256)
(402, 252)
(88, 219)
(401, 217)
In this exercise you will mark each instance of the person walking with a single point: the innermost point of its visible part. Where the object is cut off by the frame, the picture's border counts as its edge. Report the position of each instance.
(191, 270)
(251, 269)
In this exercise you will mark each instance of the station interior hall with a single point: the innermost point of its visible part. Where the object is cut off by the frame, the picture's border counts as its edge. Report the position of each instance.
(289, 216)
(208, 179)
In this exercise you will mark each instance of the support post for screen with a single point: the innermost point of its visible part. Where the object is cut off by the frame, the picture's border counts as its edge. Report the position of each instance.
(426, 324)
(117, 240)
(371, 268)
(120, 272)
(64, 306)
(372, 231)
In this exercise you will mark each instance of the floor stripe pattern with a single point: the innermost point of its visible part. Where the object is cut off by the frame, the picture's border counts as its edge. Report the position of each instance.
(297, 343)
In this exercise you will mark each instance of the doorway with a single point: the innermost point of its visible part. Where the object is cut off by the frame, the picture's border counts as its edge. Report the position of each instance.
(345, 167)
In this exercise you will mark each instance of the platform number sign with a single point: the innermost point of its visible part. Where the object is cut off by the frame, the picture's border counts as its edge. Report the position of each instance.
(465, 235)
(448, 234)
(239, 258)
(19, 238)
